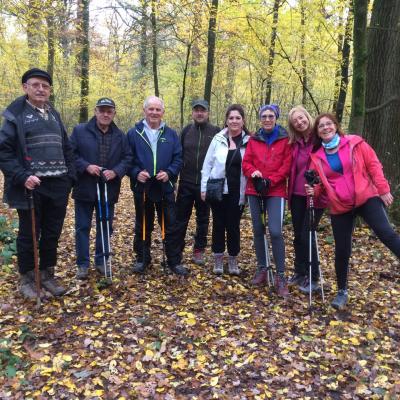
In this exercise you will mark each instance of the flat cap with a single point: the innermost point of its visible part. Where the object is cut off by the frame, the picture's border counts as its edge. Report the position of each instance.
(36, 72)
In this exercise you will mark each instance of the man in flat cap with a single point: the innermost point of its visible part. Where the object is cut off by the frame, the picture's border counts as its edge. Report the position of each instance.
(36, 157)
(102, 156)
(195, 139)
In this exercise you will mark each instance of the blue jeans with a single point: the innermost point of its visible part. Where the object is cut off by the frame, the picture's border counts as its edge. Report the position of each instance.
(83, 224)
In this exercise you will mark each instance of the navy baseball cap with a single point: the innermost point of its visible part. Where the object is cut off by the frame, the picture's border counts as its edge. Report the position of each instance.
(105, 102)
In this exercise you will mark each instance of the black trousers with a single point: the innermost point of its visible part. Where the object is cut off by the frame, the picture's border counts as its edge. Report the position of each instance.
(165, 209)
(374, 214)
(189, 196)
(226, 218)
(301, 230)
(50, 201)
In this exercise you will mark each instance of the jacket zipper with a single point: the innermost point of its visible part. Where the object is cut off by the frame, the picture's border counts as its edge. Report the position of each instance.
(197, 156)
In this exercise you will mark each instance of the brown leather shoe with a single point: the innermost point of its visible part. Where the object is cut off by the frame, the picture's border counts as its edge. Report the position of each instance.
(260, 278)
(281, 286)
(51, 284)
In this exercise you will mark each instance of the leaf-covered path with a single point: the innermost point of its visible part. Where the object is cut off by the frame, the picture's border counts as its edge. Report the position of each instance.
(162, 337)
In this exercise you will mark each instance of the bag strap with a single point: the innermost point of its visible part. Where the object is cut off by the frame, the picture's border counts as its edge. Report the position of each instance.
(233, 155)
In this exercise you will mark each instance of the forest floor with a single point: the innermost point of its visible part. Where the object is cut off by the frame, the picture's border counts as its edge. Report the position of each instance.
(205, 337)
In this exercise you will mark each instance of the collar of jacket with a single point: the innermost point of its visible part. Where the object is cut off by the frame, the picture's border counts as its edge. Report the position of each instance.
(281, 135)
(223, 136)
(16, 108)
(139, 127)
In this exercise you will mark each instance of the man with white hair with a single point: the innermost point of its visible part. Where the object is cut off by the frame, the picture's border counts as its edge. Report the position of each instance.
(157, 161)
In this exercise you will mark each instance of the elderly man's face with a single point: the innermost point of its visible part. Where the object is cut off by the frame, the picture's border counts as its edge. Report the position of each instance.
(154, 112)
(38, 91)
(104, 115)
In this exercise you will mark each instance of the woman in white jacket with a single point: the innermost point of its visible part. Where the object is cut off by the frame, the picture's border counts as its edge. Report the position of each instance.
(224, 160)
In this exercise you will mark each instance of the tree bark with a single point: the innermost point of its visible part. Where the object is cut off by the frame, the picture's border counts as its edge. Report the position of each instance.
(344, 68)
(51, 50)
(382, 97)
(212, 22)
(153, 19)
(360, 10)
(33, 32)
(185, 70)
(271, 55)
(83, 57)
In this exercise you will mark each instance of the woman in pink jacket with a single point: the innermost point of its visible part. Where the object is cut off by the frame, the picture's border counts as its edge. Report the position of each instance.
(352, 178)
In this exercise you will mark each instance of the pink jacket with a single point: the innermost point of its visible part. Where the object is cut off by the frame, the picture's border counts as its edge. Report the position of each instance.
(363, 180)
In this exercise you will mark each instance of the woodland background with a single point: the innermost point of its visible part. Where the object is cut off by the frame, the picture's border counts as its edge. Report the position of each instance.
(158, 337)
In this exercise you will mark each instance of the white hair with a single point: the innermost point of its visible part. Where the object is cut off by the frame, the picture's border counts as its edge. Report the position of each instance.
(152, 98)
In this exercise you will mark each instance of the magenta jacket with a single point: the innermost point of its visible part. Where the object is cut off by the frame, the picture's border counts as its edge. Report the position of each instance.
(362, 176)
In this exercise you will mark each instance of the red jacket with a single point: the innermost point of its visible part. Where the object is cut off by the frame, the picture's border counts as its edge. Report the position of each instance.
(366, 174)
(273, 161)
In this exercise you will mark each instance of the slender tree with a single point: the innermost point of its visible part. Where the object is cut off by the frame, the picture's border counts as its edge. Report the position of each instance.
(83, 57)
(360, 9)
(212, 23)
(153, 19)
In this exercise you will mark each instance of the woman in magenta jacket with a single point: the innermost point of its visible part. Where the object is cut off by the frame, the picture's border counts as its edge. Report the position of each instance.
(268, 156)
(352, 178)
(302, 139)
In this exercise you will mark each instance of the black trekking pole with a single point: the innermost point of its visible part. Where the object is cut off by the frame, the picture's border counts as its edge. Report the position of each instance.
(100, 211)
(35, 249)
(312, 179)
(164, 263)
(108, 267)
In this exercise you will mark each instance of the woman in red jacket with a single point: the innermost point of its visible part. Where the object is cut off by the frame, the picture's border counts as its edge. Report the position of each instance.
(352, 178)
(302, 139)
(268, 156)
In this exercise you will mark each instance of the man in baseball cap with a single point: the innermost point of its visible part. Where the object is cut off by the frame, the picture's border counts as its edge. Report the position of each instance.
(101, 150)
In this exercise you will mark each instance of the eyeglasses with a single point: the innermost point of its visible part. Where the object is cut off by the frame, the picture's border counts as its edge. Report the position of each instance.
(268, 116)
(322, 126)
(38, 85)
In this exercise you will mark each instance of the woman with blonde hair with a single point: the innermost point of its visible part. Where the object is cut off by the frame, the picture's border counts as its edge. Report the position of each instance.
(302, 139)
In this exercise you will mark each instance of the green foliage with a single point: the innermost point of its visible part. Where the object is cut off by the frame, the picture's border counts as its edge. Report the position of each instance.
(10, 363)
(7, 240)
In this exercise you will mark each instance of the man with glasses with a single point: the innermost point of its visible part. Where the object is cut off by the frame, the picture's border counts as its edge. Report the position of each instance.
(36, 158)
(102, 155)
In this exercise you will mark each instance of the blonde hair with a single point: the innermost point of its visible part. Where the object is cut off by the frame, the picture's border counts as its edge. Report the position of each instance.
(293, 134)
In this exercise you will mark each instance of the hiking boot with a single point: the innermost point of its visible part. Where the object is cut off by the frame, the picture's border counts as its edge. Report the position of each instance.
(51, 284)
(82, 273)
(341, 299)
(198, 256)
(260, 277)
(233, 267)
(100, 269)
(139, 267)
(296, 279)
(305, 286)
(179, 269)
(218, 263)
(27, 285)
(281, 286)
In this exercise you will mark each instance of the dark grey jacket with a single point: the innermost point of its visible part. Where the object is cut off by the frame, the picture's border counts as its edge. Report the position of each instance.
(13, 154)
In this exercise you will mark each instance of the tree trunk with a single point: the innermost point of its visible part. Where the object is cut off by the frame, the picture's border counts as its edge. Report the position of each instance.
(382, 100)
(360, 11)
(154, 46)
(344, 68)
(143, 38)
(230, 78)
(302, 53)
(182, 99)
(33, 32)
(212, 22)
(271, 55)
(195, 85)
(50, 20)
(83, 57)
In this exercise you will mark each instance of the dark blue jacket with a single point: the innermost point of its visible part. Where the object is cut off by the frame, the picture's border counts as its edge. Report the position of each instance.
(84, 141)
(13, 154)
(168, 157)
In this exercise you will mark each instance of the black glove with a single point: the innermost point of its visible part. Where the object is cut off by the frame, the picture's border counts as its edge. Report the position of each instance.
(261, 185)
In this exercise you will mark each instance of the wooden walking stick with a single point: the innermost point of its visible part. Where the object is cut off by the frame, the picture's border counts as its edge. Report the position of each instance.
(35, 249)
